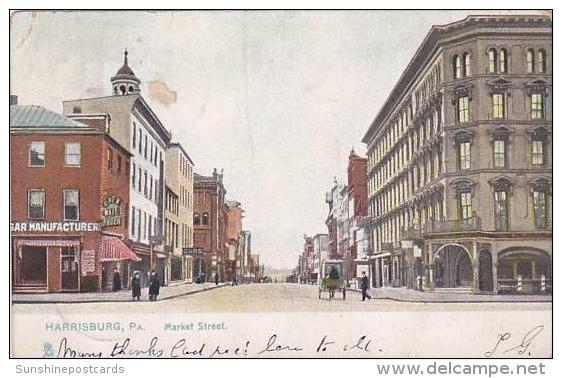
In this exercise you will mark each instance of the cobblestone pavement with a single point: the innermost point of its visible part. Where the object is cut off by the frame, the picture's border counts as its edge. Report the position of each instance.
(274, 298)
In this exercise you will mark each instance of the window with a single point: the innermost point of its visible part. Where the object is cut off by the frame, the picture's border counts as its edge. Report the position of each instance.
(36, 204)
(537, 152)
(156, 191)
(72, 154)
(134, 176)
(150, 226)
(498, 105)
(465, 205)
(464, 155)
(146, 184)
(144, 225)
(145, 146)
(134, 135)
(501, 210)
(140, 180)
(205, 219)
(492, 60)
(499, 153)
(456, 67)
(118, 163)
(542, 61)
(37, 154)
(133, 213)
(467, 64)
(540, 209)
(530, 61)
(537, 106)
(196, 219)
(69, 262)
(139, 224)
(503, 61)
(150, 191)
(71, 205)
(109, 160)
(140, 140)
(463, 109)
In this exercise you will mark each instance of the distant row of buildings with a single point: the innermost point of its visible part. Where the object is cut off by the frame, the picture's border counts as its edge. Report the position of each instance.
(104, 188)
(459, 167)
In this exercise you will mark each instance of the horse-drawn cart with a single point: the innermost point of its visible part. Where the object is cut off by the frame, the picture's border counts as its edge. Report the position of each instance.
(332, 281)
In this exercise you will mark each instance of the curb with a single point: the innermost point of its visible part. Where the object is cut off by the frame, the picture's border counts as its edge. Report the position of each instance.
(452, 300)
(23, 301)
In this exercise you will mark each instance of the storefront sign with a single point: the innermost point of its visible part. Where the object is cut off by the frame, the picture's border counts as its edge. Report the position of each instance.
(111, 211)
(55, 226)
(88, 261)
(188, 251)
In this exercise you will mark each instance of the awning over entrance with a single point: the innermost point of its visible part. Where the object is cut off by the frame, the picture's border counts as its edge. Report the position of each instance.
(113, 249)
(47, 243)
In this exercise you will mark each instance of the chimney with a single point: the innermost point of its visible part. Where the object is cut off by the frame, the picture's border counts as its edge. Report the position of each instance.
(13, 99)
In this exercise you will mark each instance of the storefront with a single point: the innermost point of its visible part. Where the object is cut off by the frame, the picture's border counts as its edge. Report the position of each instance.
(46, 264)
(116, 257)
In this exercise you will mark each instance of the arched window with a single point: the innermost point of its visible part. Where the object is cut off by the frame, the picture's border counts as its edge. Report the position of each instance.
(196, 219)
(492, 60)
(503, 61)
(467, 64)
(542, 61)
(530, 61)
(205, 219)
(456, 67)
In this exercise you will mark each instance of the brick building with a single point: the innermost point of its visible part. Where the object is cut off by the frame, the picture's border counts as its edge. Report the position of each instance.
(209, 225)
(69, 200)
(233, 240)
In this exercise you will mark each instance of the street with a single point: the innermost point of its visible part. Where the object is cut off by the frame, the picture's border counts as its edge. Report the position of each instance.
(282, 297)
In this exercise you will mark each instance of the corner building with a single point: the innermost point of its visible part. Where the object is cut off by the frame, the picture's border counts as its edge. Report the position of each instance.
(460, 161)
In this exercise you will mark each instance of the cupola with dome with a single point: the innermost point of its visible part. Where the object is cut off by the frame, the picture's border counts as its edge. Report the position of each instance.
(125, 81)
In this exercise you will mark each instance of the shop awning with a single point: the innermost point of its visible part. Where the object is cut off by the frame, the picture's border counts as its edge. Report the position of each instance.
(113, 249)
(47, 243)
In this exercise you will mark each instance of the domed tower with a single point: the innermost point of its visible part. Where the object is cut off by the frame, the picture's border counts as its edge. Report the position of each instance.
(125, 82)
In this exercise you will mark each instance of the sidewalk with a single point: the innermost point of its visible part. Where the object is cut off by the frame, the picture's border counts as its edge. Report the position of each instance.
(166, 292)
(410, 295)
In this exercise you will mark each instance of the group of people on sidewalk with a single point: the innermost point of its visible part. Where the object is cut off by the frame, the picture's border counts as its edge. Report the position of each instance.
(136, 285)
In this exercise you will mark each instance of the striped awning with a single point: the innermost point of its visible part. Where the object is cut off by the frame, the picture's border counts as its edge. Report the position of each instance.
(47, 243)
(113, 249)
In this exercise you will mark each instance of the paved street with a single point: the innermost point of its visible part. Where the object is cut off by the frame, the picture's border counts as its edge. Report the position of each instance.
(270, 298)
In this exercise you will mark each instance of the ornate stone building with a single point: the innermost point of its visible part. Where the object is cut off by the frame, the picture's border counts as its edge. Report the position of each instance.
(460, 161)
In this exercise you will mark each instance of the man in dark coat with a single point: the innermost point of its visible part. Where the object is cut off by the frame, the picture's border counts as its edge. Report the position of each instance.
(116, 280)
(154, 288)
(136, 286)
(216, 278)
(364, 286)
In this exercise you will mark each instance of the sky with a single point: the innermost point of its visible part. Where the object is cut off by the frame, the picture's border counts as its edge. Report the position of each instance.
(275, 98)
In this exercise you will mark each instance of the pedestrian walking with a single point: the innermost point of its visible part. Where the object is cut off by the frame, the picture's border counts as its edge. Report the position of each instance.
(364, 286)
(216, 278)
(116, 280)
(136, 286)
(154, 287)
